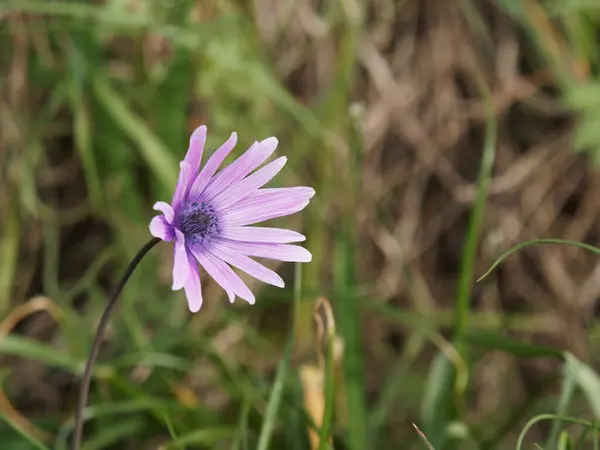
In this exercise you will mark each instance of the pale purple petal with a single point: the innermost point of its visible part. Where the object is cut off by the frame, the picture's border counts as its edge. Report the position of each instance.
(181, 266)
(222, 274)
(266, 204)
(262, 234)
(233, 172)
(279, 252)
(159, 228)
(193, 289)
(257, 154)
(230, 295)
(212, 165)
(249, 216)
(280, 197)
(166, 209)
(193, 157)
(248, 185)
(183, 185)
(246, 264)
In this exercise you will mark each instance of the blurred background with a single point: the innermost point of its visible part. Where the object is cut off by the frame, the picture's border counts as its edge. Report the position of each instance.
(437, 134)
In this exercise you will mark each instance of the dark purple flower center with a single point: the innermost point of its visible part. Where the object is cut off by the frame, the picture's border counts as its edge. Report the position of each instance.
(198, 222)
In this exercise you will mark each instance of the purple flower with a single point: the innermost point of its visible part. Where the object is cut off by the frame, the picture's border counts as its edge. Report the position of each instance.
(209, 215)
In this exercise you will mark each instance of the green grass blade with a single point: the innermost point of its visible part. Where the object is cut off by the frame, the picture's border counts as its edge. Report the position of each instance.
(118, 431)
(277, 390)
(586, 379)
(50, 266)
(9, 251)
(542, 417)
(566, 394)
(494, 341)
(126, 407)
(517, 415)
(208, 437)
(348, 312)
(82, 120)
(156, 154)
(275, 397)
(437, 406)
(524, 244)
(72, 9)
(563, 442)
(29, 438)
(467, 267)
(38, 351)
(170, 427)
(241, 440)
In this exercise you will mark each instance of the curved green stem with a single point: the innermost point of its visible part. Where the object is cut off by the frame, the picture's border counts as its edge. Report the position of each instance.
(541, 417)
(89, 365)
(522, 245)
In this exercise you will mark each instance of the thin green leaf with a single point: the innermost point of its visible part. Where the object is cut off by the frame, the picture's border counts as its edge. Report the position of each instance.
(566, 395)
(272, 413)
(467, 266)
(241, 440)
(156, 154)
(9, 250)
(494, 341)
(348, 313)
(542, 417)
(125, 407)
(208, 437)
(584, 96)
(522, 245)
(437, 405)
(29, 438)
(38, 351)
(276, 395)
(115, 433)
(564, 442)
(586, 379)
(170, 427)
(82, 120)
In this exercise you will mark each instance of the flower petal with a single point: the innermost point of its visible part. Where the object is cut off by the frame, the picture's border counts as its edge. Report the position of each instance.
(181, 266)
(212, 165)
(257, 154)
(230, 295)
(266, 204)
(193, 289)
(248, 185)
(261, 234)
(160, 228)
(247, 265)
(233, 172)
(279, 252)
(193, 157)
(222, 274)
(166, 209)
(183, 185)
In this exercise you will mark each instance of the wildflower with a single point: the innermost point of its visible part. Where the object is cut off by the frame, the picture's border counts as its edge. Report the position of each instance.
(210, 215)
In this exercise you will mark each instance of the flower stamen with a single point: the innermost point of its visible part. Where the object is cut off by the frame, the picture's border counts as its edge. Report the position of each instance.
(199, 222)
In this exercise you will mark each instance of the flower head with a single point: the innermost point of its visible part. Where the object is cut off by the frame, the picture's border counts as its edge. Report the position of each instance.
(209, 217)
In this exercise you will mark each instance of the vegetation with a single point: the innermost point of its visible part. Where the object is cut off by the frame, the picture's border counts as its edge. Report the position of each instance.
(437, 134)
